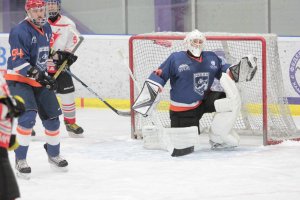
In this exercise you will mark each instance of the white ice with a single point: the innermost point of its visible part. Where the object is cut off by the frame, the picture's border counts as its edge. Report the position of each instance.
(107, 165)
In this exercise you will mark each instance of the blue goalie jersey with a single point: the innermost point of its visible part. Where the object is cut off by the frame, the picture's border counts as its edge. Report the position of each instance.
(190, 78)
(30, 46)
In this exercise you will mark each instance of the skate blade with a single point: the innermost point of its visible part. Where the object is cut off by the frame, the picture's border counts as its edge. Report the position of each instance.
(73, 135)
(225, 148)
(58, 169)
(23, 175)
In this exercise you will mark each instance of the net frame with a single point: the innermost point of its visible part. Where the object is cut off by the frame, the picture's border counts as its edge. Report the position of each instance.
(166, 36)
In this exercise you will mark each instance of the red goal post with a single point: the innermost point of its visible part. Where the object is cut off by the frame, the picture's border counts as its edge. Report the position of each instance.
(264, 109)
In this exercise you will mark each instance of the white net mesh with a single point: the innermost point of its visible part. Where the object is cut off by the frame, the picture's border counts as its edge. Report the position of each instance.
(148, 51)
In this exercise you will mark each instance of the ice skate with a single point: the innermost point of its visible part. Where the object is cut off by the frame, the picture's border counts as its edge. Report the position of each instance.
(74, 130)
(220, 146)
(57, 163)
(33, 132)
(23, 169)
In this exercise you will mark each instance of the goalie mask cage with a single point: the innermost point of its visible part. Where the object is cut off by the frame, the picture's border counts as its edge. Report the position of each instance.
(265, 110)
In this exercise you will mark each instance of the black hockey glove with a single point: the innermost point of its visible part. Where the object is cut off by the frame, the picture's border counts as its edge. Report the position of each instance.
(15, 105)
(63, 56)
(13, 143)
(42, 77)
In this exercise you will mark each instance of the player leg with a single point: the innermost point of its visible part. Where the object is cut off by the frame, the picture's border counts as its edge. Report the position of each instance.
(209, 107)
(66, 92)
(186, 118)
(49, 113)
(178, 141)
(227, 110)
(25, 124)
(8, 185)
(183, 136)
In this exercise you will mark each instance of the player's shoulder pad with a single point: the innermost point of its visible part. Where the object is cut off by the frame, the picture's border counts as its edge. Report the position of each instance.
(47, 26)
(179, 54)
(209, 53)
(20, 30)
(66, 20)
(213, 55)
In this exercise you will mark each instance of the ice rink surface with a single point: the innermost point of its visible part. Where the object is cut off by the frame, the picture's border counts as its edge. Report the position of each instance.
(108, 165)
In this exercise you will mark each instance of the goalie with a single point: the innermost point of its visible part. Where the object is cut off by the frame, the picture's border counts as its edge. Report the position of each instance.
(191, 75)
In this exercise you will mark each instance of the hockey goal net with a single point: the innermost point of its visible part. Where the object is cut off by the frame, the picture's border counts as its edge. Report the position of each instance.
(265, 110)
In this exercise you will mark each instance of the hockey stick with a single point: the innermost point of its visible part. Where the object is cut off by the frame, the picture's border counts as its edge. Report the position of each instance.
(121, 113)
(64, 65)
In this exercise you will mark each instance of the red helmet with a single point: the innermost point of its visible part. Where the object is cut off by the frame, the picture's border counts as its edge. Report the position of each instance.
(34, 4)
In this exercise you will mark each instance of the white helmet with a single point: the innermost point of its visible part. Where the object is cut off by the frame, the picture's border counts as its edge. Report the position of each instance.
(195, 42)
(54, 7)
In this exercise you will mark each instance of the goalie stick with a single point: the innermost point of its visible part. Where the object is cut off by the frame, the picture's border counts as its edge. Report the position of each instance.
(64, 65)
(121, 113)
(122, 57)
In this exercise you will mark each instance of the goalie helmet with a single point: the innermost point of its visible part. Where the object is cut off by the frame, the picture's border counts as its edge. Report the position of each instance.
(195, 42)
(53, 7)
(36, 12)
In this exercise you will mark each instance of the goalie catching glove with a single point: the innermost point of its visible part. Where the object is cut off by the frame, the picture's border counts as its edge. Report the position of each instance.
(245, 69)
(42, 77)
(148, 98)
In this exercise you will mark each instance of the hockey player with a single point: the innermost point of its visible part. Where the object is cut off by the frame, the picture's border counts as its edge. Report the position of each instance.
(10, 107)
(65, 37)
(27, 77)
(191, 75)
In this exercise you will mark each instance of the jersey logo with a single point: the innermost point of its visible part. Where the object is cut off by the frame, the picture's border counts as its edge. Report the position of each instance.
(75, 39)
(33, 40)
(47, 36)
(54, 38)
(201, 80)
(41, 61)
(183, 67)
(213, 64)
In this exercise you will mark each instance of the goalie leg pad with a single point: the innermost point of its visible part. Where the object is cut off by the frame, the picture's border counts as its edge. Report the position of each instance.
(152, 137)
(177, 141)
(221, 129)
(181, 141)
(227, 113)
(232, 102)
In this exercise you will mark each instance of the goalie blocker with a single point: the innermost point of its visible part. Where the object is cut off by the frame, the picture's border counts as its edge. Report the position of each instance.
(148, 98)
